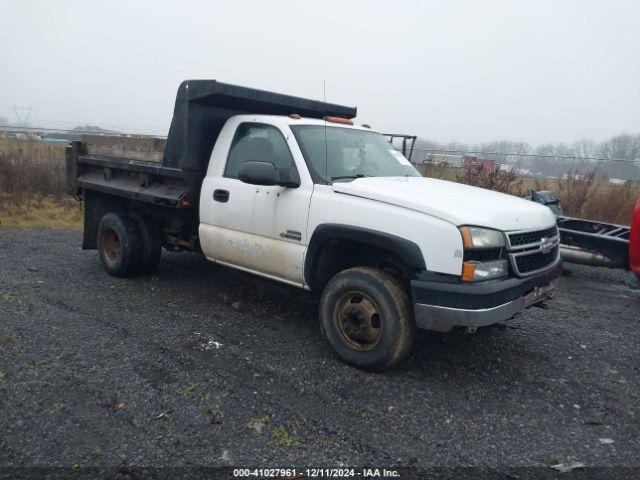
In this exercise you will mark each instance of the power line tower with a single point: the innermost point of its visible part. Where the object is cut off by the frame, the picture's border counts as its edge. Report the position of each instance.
(22, 114)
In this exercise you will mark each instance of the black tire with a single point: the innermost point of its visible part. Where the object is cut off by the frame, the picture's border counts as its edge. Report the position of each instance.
(367, 318)
(119, 244)
(151, 238)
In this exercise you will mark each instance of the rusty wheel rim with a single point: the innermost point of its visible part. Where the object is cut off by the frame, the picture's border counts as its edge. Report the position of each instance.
(357, 318)
(111, 246)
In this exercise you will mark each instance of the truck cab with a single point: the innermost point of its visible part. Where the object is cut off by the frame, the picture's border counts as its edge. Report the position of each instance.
(287, 191)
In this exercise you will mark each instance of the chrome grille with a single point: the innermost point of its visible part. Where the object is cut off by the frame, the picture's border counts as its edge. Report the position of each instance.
(533, 251)
(524, 238)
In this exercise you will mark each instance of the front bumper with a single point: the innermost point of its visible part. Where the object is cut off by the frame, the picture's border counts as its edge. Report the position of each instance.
(441, 306)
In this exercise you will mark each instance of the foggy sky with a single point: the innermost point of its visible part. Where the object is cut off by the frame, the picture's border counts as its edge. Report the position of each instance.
(469, 71)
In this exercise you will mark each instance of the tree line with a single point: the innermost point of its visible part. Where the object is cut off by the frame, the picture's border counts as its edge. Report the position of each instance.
(617, 157)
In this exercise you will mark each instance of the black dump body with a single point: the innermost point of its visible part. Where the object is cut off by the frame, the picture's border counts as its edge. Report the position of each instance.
(203, 106)
(114, 171)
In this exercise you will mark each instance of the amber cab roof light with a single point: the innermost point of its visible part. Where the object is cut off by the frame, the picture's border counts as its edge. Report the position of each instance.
(344, 121)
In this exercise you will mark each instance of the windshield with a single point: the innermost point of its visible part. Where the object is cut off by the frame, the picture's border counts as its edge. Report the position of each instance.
(342, 154)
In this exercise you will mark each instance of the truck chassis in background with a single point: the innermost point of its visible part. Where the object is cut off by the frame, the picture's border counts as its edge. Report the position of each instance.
(594, 243)
(588, 242)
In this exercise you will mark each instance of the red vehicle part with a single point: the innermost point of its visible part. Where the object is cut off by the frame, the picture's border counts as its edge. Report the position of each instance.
(634, 241)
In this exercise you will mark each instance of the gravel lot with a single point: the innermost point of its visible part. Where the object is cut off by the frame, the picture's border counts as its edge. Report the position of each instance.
(202, 365)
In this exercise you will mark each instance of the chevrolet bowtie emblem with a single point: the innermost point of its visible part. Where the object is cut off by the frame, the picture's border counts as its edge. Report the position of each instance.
(546, 244)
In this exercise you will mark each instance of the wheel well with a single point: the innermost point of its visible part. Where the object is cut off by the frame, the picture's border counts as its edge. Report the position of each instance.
(338, 254)
(179, 229)
(336, 247)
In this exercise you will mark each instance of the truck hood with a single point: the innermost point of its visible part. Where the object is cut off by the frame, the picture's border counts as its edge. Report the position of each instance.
(453, 202)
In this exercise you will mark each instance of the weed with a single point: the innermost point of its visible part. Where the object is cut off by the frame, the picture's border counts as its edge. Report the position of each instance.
(217, 416)
(91, 456)
(114, 401)
(505, 182)
(7, 297)
(258, 423)
(184, 392)
(283, 438)
(7, 338)
(36, 365)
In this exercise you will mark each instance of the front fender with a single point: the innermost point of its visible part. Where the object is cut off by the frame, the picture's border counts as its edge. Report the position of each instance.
(405, 249)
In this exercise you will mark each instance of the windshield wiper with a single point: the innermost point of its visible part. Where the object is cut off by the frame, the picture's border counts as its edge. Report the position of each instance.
(358, 175)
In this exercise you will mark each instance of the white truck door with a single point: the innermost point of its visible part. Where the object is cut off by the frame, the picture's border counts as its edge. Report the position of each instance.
(256, 228)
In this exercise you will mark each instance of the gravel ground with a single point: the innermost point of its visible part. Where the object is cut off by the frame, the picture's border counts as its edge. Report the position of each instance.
(202, 365)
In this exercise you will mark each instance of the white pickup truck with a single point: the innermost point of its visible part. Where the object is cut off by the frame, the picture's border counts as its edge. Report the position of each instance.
(293, 190)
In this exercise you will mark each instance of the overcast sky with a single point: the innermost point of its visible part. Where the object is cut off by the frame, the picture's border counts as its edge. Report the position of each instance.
(472, 71)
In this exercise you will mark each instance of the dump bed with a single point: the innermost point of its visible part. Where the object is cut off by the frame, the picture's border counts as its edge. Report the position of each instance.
(169, 172)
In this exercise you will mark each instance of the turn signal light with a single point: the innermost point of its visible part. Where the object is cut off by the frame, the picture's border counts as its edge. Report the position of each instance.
(467, 241)
(467, 272)
(344, 121)
(475, 271)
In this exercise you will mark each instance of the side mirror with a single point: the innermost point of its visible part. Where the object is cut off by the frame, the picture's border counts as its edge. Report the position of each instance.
(288, 177)
(265, 173)
(258, 173)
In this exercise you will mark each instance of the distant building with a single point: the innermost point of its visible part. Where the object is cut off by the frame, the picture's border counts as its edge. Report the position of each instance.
(466, 162)
(576, 176)
(453, 161)
(476, 163)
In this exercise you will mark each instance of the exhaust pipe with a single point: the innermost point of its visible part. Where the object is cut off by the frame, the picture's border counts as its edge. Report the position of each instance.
(585, 257)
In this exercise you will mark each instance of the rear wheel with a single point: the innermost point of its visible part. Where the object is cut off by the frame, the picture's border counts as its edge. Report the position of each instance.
(119, 244)
(366, 317)
(151, 238)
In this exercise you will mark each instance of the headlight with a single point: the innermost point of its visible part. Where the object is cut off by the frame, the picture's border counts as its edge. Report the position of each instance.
(477, 271)
(476, 237)
(482, 254)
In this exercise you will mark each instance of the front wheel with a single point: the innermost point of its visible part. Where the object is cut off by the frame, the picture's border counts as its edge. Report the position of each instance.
(366, 317)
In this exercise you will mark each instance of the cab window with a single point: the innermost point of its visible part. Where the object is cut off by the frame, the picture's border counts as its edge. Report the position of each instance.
(257, 142)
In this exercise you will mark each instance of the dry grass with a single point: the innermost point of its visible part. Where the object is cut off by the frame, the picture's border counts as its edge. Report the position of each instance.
(32, 186)
(32, 166)
(40, 211)
(505, 182)
(583, 195)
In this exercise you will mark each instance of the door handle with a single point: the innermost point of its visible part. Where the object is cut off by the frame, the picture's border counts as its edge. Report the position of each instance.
(221, 195)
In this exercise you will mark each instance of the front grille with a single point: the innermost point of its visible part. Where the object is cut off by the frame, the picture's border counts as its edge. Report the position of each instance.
(526, 238)
(535, 261)
(532, 252)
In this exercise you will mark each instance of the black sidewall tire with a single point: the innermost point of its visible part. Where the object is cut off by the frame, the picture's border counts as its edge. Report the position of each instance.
(151, 244)
(398, 329)
(130, 241)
